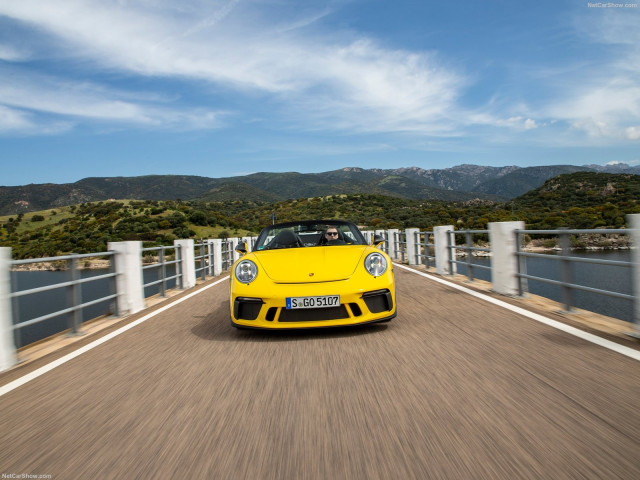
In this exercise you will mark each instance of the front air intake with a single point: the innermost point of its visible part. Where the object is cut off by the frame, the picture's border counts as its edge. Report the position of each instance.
(247, 308)
(378, 301)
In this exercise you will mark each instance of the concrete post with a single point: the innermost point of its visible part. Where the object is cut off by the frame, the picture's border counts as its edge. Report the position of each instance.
(8, 356)
(633, 222)
(216, 245)
(412, 234)
(368, 236)
(442, 251)
(128, 260)
(187, 262)
(504, 263)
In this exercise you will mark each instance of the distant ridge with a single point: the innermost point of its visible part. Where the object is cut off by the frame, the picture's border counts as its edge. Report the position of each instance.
(460, 183)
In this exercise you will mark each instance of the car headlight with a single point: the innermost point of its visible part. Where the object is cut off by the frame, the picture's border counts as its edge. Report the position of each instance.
(376, 264)
(246, 271)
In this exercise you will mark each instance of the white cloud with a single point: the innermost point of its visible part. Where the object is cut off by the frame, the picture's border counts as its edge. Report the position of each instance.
(313, 79)
(328, 82)
(11, 53)
(13, 121)
(602, 99)
(40, 93)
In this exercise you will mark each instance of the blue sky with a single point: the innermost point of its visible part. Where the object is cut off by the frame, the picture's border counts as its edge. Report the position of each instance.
(231, 87)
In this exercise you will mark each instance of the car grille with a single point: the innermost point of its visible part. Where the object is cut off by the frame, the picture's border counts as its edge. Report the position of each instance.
(313, 314)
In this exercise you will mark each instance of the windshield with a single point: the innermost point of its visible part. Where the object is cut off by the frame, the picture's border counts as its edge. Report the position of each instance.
(309, 234)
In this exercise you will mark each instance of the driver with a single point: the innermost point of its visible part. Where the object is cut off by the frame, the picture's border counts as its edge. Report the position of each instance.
(332, 237)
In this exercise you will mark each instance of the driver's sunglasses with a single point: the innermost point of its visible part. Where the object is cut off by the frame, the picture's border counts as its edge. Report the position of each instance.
(333, 234)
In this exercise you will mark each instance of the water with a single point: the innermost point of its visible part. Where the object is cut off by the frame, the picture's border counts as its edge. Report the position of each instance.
(604, 277)
(39, 304)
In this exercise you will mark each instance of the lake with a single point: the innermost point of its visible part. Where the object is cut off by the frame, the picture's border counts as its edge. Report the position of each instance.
(39, 304)
(604, 277)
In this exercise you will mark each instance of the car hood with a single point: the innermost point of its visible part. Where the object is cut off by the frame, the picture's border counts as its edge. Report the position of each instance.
(310, 264)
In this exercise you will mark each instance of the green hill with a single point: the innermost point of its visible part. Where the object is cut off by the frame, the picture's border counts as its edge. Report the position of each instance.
(578, 200)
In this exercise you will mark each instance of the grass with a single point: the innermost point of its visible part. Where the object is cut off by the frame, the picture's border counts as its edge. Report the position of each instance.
(27, 224)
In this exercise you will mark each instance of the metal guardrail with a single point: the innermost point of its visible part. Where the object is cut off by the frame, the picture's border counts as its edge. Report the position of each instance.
(566, 260)
(467, 248)
(400, 245)
(166, 256)
(75, 305)
(205, 259)
(227, 254)
(161, 267)
(423, 243)
(425, 246)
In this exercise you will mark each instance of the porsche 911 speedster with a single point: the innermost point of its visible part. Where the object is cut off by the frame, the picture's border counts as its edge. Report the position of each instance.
(310, 274)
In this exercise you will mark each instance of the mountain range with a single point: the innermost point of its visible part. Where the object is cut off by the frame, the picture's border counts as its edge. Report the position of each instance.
(460, 183)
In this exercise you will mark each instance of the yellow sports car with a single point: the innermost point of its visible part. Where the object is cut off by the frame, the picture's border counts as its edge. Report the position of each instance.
(309, 274)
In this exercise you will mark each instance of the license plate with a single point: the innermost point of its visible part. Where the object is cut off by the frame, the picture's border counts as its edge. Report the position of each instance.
(321, 301)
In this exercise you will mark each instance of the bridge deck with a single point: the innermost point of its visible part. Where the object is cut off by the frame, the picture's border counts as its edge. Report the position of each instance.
(454, 387)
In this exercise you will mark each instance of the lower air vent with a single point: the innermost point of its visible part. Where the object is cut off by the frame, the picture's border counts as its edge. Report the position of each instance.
(355, 309)
(271, 313)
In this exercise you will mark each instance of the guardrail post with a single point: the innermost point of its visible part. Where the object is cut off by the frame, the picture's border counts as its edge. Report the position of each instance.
(8, 355)
(504, 261)
(75, 297)
(426, 246)
(129, 283)
(633, 222)
(412, 249)
(163, 271)
(469, 243)
(203, 261)
(187, 262)
(216, 246)
(368, 236)
(442, 251)
(566, 272)
(523, 285)
(209, 262)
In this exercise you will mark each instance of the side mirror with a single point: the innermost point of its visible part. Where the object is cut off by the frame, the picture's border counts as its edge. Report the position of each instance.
(377, 240)
(241, 248)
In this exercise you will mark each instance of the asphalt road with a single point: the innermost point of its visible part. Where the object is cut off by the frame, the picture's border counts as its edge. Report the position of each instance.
(452, 388)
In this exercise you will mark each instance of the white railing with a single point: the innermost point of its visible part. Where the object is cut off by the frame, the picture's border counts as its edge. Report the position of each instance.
(211, 257)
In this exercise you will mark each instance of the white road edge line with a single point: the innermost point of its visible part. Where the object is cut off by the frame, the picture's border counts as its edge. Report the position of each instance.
(629, 352)
(62, 360)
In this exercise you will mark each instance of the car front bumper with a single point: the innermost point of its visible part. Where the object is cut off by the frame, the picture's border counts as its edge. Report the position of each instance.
(264, 306)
